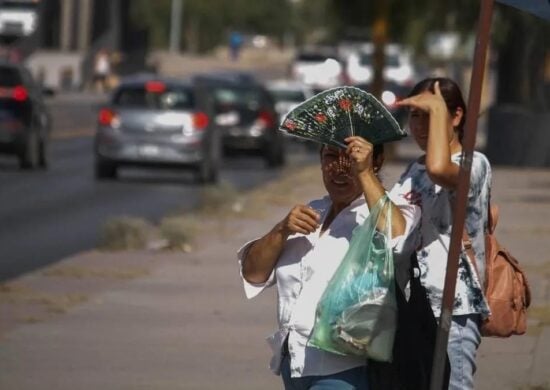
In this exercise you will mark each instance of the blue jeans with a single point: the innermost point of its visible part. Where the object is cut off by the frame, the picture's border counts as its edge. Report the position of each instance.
(464, 339)
(354, 379)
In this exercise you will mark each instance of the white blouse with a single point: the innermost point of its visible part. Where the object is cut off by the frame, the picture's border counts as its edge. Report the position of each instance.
(303, 270)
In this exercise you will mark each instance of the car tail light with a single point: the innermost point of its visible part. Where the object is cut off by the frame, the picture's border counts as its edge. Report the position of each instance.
(19, 93)
(266, 118)
(200, 120)
(106, 117)
(155, 87)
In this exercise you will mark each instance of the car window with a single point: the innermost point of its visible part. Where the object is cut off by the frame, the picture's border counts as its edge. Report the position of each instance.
(288, 95)
(311, 57)
(9, 77)
(392, 60)
(139, 97)
(18, 5)
(238, 97)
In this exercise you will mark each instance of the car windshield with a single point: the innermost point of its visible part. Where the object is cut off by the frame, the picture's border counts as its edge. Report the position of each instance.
(288, 95)
(238, 97)
(311, 57)
(9, 77)
(139, 97)
(391, 59)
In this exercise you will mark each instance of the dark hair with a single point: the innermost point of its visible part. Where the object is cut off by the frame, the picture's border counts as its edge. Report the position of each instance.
(451, 94)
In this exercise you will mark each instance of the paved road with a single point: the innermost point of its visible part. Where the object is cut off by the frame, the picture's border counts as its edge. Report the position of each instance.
(47, 215)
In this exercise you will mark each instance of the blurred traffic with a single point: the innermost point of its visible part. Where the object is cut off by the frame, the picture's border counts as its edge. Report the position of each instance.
(164, 97)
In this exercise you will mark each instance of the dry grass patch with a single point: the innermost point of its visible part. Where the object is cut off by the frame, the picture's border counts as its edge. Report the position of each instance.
(125, 233)
(57, 303)
(179, 232)
(218, 199)
(218, 203)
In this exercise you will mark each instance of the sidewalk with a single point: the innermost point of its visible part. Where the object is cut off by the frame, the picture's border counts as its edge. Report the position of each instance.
(160, 320)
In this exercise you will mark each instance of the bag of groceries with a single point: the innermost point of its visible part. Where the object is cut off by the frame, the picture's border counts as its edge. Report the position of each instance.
(357, 313)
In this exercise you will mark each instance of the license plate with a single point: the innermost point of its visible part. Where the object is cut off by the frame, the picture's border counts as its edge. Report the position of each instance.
(149, 150)
(228, 119)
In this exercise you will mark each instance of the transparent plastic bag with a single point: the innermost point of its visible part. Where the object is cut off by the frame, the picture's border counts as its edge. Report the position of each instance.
(357, 313)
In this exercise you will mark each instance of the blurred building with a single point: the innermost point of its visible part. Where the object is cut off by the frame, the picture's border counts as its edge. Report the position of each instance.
(71, 32)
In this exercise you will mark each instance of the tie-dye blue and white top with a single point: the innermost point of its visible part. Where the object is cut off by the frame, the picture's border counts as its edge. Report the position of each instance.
(433, 234)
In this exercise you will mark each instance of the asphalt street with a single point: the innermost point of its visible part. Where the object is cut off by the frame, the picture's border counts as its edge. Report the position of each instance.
(48, 215)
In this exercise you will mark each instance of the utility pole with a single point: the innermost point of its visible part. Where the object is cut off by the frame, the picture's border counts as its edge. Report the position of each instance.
(67, 14)
(459, 212)
(175, 25)
(84, 25)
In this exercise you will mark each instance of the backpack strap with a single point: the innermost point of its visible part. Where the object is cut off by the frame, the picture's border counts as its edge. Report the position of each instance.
(467, 243)
(492, 219)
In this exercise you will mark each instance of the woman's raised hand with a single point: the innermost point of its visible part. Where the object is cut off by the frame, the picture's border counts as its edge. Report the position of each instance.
(360, 152)
(426, 101)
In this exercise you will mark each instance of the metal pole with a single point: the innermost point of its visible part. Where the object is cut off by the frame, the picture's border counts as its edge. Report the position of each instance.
(175, 26)
(484, 27)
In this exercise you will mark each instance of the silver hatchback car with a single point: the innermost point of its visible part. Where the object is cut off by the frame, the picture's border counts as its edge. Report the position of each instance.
(158, 123)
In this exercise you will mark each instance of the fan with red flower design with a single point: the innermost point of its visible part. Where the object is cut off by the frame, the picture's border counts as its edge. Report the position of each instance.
(333, 115)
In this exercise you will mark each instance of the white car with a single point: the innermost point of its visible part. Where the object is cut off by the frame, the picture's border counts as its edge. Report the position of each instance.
(319, 70)
(18, 18)
(287, 95)
(398, 65)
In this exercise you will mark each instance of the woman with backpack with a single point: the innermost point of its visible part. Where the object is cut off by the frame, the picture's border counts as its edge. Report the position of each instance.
(436, 118)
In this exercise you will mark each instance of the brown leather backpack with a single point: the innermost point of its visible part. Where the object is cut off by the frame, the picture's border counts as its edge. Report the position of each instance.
(506, 286)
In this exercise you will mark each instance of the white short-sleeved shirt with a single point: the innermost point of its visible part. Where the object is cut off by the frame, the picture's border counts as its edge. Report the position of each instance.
(433, 235)
(303, 270)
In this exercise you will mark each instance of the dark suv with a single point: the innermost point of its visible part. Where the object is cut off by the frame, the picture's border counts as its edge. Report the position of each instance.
(153, 121)
(245, 115)
(24, 119)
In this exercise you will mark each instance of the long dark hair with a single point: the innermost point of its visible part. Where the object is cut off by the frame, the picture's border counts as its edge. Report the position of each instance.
(451, 94)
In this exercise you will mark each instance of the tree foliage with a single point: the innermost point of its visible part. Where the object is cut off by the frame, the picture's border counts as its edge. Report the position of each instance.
(520, 40)
(206, 23)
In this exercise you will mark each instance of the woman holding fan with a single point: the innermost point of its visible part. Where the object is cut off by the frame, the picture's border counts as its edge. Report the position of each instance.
(301, 253)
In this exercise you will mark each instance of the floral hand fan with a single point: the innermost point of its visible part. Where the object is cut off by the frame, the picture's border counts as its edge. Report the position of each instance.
(333, 115)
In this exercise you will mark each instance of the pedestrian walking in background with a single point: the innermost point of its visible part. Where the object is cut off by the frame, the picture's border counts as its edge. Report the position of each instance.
(235, 45)
(102, 70)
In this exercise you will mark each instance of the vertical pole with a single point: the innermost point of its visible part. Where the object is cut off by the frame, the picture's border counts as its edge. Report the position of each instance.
(84, 25)
(442, 338)
(67, 14)
(175, 26)
(115, 24)
(380, 37)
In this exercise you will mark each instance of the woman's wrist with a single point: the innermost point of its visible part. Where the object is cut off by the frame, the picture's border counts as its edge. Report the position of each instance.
(438, 108)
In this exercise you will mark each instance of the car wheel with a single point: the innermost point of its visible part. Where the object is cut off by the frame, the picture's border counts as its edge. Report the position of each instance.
(275, 156)
(30, 150)
(43, 156)
(105, 170)
(207, 171)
